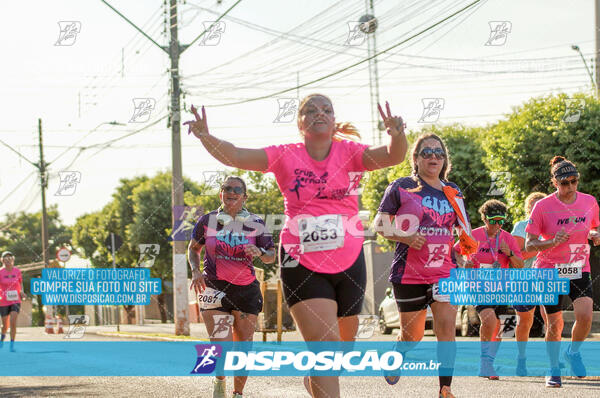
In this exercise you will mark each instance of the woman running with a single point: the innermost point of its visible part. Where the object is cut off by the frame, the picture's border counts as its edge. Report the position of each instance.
(11, 294)
(525, 313)
(229, 293)
(322, 263)
(565, 220)
(423, 257)
(497, 249)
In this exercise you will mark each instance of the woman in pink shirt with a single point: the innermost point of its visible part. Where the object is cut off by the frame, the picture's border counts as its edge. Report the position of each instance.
(566, 220)
(11, 294)
(497, 249)
(322, 264)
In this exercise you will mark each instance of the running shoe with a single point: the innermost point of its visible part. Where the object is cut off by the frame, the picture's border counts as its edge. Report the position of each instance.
(237, 395)
(12, 346)
(521, 366)
(575, 362)
(553, 379)
(392, 379)
(486, 369)
(218, 388)
(446, 393)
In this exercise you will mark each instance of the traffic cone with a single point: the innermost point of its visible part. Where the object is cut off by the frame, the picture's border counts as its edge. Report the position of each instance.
(49, 325)
(59, 325)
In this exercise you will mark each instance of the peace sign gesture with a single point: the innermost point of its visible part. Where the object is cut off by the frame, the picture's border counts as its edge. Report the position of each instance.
(199, 126)
(395, 125)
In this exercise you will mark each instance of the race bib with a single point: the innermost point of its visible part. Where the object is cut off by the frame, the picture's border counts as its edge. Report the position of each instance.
(570, 270)
(210, 298)
(435, 289)
(483, 265)
(321, 233)
(12, 295)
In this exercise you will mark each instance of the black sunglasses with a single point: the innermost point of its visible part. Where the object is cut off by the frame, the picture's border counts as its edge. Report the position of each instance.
(565, 183)
(237, 190)
(428, 153)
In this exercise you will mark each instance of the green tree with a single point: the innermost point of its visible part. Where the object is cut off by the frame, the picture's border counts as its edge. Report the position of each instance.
(22, 235)
(536, 131)
(468, 170)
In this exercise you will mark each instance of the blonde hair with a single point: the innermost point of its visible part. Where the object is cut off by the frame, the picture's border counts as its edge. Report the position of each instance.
(343, 130)
(531, 199)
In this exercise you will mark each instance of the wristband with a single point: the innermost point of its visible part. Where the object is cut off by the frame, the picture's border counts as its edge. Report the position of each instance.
(262, 250)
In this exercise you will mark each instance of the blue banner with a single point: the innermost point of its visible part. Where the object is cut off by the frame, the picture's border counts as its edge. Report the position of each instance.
(104, 286)
(374, 358)
(491, 286)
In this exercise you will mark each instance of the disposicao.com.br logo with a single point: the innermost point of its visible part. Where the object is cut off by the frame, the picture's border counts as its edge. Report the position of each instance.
(296, 358)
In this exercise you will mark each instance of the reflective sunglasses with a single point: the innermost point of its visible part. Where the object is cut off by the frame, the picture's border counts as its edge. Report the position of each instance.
(237, 190)
(565, 183)
(499, 219)
(428, 153)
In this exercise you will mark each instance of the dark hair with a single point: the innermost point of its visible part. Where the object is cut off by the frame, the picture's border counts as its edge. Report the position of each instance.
(490, 207)
(417, 146)
(559, 162)
(234, 178)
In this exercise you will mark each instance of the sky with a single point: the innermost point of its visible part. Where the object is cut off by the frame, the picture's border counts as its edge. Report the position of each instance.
(79, 86)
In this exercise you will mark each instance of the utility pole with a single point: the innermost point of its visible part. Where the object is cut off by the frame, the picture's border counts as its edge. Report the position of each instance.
(43, 185)
(596, 67)
(180, 288)
(180, 295)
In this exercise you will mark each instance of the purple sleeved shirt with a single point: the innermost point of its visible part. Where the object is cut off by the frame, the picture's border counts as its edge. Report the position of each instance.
(224, 257)
(436, 222)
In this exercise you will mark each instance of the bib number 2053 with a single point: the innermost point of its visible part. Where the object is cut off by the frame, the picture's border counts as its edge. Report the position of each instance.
(321, 233)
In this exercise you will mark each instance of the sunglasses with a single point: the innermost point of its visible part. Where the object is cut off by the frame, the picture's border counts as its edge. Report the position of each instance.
(565, 183)
(500, 221)
(237, 190)
(428, 153)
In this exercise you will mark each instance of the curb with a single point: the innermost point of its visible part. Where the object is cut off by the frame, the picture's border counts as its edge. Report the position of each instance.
(144, 337)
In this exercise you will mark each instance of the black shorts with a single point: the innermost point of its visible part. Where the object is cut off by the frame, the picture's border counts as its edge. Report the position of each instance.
(243, 298)
(579, 288)
(498, 309)
(7, 309)
(347, 288)
(413, 297)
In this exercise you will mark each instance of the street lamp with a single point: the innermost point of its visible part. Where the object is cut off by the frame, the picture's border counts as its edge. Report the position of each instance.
(575, 47)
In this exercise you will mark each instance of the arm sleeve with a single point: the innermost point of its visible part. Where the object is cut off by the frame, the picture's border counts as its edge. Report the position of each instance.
(519, 229)
(275, 157)
(390, 203)
(198, 232)
(355, 154)
(534, 226)
(265, 239)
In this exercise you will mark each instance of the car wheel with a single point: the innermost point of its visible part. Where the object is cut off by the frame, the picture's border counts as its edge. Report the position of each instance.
(383, 328)
(464, 324)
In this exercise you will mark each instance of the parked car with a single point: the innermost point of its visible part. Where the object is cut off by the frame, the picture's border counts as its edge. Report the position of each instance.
(389, 318)
(467, 321)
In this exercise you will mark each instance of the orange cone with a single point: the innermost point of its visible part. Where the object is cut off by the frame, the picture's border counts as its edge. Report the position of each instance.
(59, 325)
(49, 325)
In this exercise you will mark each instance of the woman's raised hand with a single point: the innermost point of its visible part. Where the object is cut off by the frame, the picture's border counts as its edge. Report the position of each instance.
(199, 126)
(394, 124)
